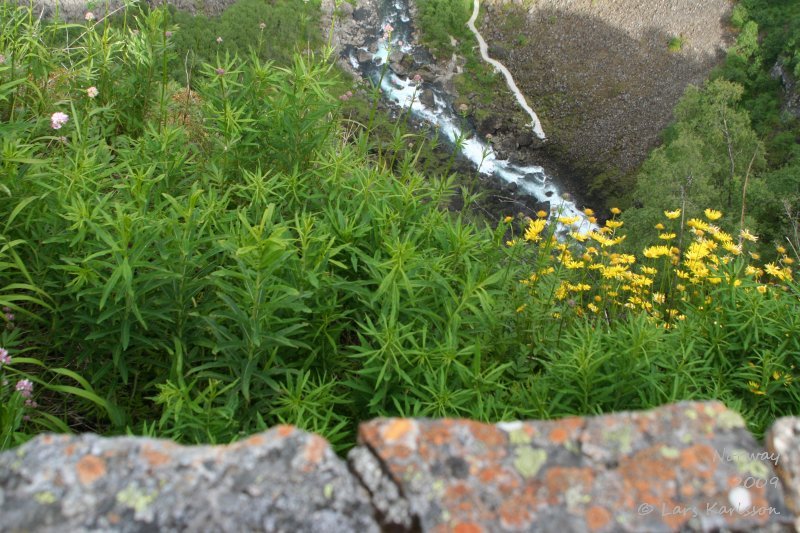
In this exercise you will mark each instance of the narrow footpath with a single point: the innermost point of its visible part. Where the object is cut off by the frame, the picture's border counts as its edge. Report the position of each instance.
(535, 123)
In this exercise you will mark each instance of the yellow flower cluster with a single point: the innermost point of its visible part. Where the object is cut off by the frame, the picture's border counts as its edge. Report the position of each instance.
(585, 274)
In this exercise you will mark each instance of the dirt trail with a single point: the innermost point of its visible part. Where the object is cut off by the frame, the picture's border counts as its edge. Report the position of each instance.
(535, 122)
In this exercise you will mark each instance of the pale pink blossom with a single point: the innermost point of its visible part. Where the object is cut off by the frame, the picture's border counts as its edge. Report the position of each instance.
(89, 16)
(4, 357)
(219, 40)
(92, 92)
(24, 387)
(58, 119)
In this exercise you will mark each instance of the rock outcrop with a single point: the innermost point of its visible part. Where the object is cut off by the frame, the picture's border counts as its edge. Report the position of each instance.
(682, 467)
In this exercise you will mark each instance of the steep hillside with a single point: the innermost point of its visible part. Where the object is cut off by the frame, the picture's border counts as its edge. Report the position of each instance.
(605, 75)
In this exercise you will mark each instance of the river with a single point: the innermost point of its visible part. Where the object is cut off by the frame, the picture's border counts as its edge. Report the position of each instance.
(403, 91)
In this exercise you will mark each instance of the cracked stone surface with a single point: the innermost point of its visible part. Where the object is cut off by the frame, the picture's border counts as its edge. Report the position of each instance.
(783, 443)
(687, 466)
(280, 480)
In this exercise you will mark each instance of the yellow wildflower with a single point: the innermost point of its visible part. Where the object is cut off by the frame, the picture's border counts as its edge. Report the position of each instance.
(534, 229)
(615, 211)
(667, 236)
(614, 224)
(508, 219)
(780, 250)
(598, 298)
(580, 237)
(659, 226)
(588, 212)
(593, 220)
(541, 213)
(696, 223)
(593, 308)
(672, 214)
(712, 214)
(521, 308)
(650, 271)
(762, 289)
(658, 297)
(754, 388)
(787, 260)
(732, 248)
(755, 255)
(773, 270)
(654, 252)
(568, 221)
(745, 234)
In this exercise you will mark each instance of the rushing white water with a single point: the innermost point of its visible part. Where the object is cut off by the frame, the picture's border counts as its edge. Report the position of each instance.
(536, 124)
(405, 93)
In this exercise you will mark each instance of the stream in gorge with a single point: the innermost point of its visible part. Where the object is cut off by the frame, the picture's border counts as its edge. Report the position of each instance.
(405, 92)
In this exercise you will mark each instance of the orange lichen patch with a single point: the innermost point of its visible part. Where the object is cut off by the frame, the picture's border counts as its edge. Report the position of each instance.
(436, 434)
(687, 491)
(674, 515)
(597, 518)
(255, 441)
(489, 435)
(315, 449)
(650, 475)
(467, 527)
(69, 451)
(397, 429)
(506, 481)
(153, 457)
(698, 460)
(457, 491)
(90, 468)
(558, 436)
(47, 439)
(559, 479)
(517, 512)
(284, 430)
(113, 518)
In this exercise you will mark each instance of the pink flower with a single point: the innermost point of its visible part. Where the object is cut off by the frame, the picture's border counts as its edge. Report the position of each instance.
(388, 28)
(58, 119)
(91, 92)
(24, 387)
(417, 78)
(220, 71)
(219, 40)
(89, 16)
(167, 34)
(4, 357)
(2, 59)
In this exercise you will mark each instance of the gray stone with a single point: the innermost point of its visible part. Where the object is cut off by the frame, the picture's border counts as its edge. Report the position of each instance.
(280, 480)
(426, 97)
(783, 443)
(687, 466)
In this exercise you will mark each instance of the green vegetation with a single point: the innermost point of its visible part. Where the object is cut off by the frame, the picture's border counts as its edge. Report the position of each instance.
(201, 261)
(731, 145)
(676, 43)
(443, 20)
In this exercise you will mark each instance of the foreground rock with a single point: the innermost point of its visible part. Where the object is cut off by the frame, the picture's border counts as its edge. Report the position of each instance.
(688, 467)
(783, 442)
(281, 480)
(683, 467)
